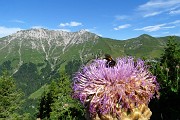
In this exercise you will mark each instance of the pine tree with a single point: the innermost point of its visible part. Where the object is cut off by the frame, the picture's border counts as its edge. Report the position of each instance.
(64, 106)
(167, 74)
(170, 62)
(57, 103)
(10, 98)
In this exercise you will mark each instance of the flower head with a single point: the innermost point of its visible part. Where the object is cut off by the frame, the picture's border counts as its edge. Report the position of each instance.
(109, 89)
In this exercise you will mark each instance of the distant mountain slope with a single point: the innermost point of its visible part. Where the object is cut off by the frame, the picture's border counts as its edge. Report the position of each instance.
(37, 45)
(144, 46)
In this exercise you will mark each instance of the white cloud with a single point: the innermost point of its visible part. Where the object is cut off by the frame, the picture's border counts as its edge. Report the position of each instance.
(175, 22)
(159, 4)
(168, 27)
(152, 14)
(38, 26)
(121, 17)
(4, 31)
(156, 7)
(17, 21)
(66, 30)
(159, 26)
(151, 28)
(174, 12)
(122, 27)
(71, 24)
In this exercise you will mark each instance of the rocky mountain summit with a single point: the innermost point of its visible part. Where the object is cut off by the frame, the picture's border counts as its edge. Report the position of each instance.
(63, 37)
(41, 44)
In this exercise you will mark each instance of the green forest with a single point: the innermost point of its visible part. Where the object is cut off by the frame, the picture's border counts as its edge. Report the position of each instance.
(21, 98)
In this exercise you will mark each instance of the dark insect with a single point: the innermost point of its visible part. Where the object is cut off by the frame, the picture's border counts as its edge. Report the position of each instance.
(110, 62)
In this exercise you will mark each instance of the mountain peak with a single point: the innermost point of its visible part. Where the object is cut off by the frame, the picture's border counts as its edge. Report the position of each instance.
(145, 36)
(35, 33)
(63, 37)
(83, 31)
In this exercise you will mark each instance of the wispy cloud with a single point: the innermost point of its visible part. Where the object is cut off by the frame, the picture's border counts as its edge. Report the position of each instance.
(4, 31)
(17, 21)
(151, 28)
(121, 17)
(70, 24)
(37, 27)
(158, 4)
(168, 27)
(175, 22)
(174, 12)
(66, 30)
(156, 7)
(122, 27)
(157, 27)
(152, 14)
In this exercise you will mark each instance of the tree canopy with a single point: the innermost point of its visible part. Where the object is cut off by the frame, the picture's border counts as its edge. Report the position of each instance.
(10, 97)
(57, 102)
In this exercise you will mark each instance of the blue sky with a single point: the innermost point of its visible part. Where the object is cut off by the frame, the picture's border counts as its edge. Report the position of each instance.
(117, 19)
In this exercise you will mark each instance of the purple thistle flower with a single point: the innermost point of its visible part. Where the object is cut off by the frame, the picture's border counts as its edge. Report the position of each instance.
(108, 89)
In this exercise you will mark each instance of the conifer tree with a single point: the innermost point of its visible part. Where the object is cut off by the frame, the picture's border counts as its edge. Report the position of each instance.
(57, 103)
(10, 98)
(168, 75)
(170, 62)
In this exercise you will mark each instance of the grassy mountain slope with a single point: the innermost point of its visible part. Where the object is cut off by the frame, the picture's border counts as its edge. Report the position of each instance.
(58, 48)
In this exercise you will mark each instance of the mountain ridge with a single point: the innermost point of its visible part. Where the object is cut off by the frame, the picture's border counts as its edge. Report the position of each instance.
(42, 41)
(37, 45)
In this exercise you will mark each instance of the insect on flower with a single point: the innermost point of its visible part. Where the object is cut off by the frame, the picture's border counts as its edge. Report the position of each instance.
(105, 90)
(110, 62)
